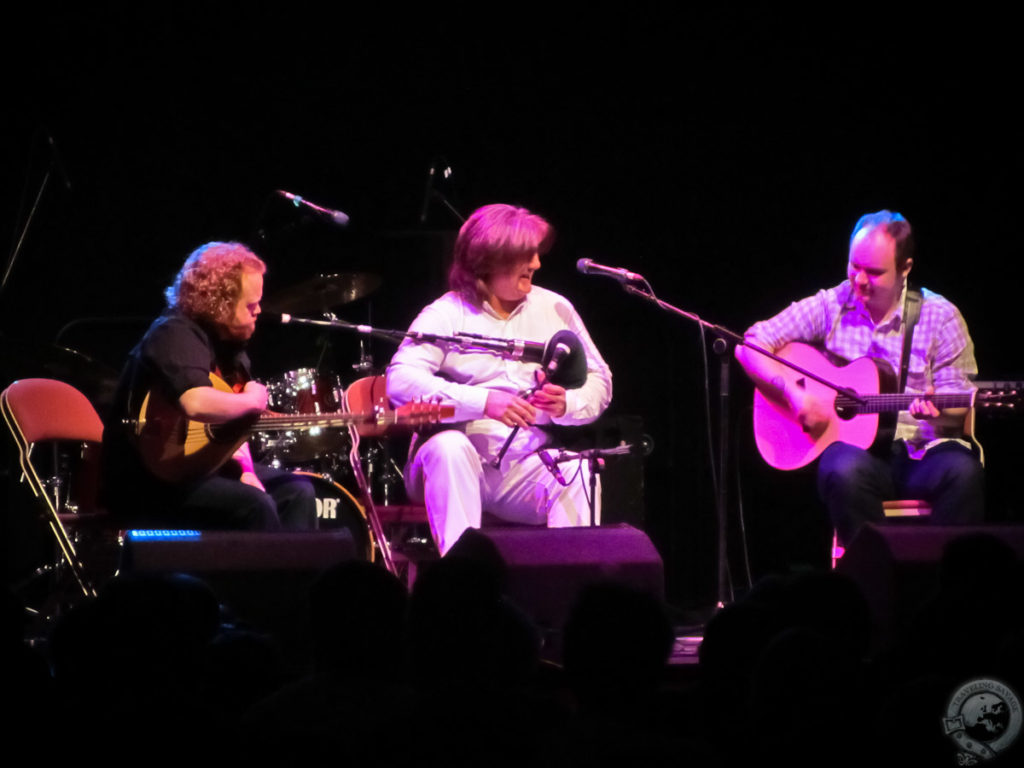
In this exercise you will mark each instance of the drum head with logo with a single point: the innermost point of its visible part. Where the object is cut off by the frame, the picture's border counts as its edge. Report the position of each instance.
(337, 508)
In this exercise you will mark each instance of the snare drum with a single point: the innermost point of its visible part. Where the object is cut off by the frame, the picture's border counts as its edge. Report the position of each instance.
(337, 508)
(305, 391)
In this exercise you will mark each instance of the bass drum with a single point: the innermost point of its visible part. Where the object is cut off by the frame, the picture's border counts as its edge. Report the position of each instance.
(337, 508)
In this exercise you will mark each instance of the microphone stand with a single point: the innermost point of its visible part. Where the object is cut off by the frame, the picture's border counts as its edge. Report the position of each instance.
(595, 463)
(439, 167)
(12, 257)
(726, 339)
(515, 349)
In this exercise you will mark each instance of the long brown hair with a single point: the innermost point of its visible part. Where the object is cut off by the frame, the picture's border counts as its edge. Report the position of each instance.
(494, 239)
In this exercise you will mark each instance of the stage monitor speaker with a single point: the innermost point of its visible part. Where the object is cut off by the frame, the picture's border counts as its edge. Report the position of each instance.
(262, 579)
(547, 567)
(163, 551)
(897, 566)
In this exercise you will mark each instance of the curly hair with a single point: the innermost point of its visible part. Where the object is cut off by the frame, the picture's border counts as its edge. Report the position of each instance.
(494, 239)
(210, 281)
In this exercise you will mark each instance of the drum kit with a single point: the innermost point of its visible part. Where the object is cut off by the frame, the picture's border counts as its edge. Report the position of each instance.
(351, 470)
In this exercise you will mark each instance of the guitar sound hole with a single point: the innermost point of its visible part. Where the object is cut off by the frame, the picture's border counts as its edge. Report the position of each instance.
(845, 409)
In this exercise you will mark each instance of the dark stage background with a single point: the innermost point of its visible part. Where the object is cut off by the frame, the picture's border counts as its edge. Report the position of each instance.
(724, 155)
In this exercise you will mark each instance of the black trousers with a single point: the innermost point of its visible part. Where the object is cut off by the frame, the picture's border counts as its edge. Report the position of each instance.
(225, 503)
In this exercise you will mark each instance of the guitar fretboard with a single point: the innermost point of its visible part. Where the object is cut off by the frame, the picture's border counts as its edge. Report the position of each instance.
(901, 402)
(273, 422)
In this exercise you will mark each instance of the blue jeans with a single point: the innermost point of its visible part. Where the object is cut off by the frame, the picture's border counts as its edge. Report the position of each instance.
(853, 483)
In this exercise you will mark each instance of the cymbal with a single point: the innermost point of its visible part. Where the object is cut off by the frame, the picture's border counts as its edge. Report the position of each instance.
(25, 358)
(323, 292)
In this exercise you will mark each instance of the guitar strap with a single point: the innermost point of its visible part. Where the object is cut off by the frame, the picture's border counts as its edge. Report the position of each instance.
(911, 312)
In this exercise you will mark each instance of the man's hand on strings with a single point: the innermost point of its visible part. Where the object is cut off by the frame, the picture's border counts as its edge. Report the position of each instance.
(923, 407)
(256, 394)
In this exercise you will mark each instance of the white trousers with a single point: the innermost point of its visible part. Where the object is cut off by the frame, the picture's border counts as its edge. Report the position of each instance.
(456, 484)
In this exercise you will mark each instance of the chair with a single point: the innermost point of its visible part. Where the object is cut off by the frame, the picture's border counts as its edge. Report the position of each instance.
(368, 395)
(46, 411)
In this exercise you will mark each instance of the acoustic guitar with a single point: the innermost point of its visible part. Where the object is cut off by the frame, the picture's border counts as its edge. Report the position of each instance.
(175, 448)
(866, 420)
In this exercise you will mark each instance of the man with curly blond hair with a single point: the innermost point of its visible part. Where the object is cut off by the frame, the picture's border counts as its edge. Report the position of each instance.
(211, 314)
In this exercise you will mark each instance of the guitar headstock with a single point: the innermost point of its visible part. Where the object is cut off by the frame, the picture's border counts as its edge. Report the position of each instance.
(1001, 396)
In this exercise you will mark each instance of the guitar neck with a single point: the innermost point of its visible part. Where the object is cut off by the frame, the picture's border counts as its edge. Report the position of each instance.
(175, 448)
(276, 422)
(901, 402)
(411, 415)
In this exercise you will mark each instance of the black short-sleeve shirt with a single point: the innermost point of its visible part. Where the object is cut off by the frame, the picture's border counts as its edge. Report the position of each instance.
(176, 354)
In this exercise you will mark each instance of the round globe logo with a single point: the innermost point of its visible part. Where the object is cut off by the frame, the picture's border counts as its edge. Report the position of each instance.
(984, 718)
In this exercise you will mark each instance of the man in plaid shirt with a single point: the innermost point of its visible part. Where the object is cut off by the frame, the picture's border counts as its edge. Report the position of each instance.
(864, 316)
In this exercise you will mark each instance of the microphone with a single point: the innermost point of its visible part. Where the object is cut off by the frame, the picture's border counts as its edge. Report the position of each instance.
(428, 191)
(552, 466)
(518, 349)
(438, 168)
(590, 267)
(338, 217)
(644, 447)
(284, 318)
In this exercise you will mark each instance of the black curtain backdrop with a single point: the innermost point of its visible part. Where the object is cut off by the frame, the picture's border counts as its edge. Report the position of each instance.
(723, 154)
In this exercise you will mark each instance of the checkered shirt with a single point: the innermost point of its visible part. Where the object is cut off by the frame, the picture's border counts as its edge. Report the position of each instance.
(941, 353)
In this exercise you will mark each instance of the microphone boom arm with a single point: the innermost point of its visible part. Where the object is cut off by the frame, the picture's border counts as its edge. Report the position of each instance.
(516, 349)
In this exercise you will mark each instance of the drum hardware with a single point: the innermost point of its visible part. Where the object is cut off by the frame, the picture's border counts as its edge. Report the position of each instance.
(376, 474)
(383, 476)
(365, 365)
(356, 465)
(371, 510)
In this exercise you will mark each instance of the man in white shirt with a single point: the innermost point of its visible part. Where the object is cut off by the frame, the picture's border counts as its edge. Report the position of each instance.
(492, 294)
